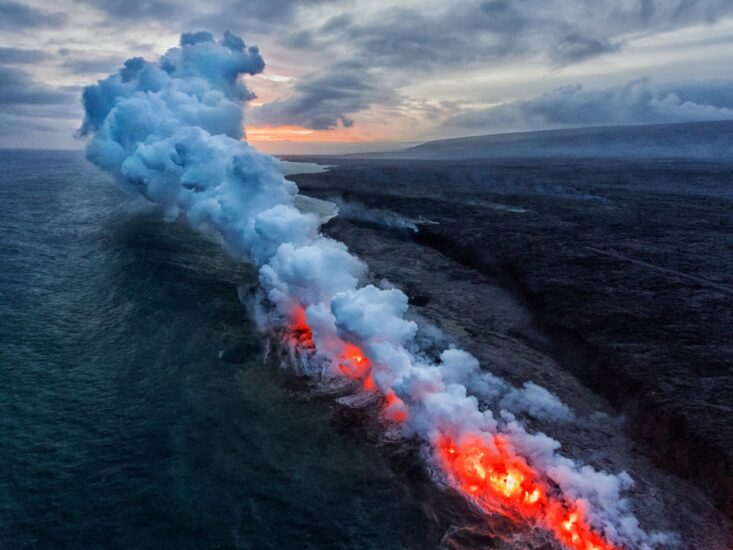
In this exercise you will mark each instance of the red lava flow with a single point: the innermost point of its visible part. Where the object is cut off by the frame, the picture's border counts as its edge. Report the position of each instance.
(484, 469)
(481, 465)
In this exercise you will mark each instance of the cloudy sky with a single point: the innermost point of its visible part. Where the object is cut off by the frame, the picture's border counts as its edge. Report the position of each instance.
(348, 75)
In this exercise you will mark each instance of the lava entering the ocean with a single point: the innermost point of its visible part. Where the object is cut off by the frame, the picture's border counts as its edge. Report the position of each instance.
(171, 130)
(480, 465)
(352, 363)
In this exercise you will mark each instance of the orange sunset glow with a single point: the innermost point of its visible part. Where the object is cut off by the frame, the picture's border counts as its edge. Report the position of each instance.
(301, 134)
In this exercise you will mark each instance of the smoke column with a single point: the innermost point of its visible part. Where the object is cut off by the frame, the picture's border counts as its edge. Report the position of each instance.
(172, 131)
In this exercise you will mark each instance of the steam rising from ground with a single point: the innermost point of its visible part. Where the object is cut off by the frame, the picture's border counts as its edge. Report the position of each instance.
(172, 131)
(356, 211)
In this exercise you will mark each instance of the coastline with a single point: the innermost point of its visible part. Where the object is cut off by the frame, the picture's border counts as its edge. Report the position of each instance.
(653, 429)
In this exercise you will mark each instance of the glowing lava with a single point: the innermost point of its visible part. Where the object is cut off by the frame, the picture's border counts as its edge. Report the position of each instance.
(353, 364)
(394, 408)
(481, 465)
(299, 329)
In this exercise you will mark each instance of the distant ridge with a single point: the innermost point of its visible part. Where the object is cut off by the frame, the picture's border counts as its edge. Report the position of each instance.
(690, 140)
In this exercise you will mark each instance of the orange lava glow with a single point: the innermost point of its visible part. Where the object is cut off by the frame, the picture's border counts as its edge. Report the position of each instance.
(353, 363)
(504, 483)
(300, 330)
(394, 408)
(482, 466)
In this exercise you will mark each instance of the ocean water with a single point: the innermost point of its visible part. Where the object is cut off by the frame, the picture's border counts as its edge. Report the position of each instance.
(137, 409)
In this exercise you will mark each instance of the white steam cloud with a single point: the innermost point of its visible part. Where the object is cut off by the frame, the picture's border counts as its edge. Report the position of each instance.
(172, 131)
(356, 211)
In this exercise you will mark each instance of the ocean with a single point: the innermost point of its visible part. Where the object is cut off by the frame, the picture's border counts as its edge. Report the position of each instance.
(138, 408)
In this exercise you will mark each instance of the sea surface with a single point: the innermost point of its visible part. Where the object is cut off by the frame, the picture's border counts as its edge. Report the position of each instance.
(137, 406)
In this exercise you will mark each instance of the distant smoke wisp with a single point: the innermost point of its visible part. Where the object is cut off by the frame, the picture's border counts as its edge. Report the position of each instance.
(171, 130)
(356, 211)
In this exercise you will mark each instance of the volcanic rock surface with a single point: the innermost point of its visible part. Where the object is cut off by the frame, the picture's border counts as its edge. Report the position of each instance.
(608, 283)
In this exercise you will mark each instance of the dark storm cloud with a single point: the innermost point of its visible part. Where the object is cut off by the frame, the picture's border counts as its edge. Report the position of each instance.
(32, 113)
(21, 55)
(216, 16)
(433, 37)
(92, 66)
(576, 47)
(299, 40)
(139, 9)
(413, 38)
(322, 100)
(16, 16)
(272, 10)
(475, 32)
(367, 49)
(287, 21)
(337, 23)
(17, 87)
(638, 102)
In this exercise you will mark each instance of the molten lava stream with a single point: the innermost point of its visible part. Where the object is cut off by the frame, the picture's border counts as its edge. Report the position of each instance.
(352, 363)
(499, 482)
(481, 465)
(300, 333)
(355, 365)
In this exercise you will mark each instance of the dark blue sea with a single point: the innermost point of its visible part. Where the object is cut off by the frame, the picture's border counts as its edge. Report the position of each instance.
(137, 408)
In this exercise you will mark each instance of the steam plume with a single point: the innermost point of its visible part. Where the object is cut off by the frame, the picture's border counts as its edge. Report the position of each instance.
(172, 131)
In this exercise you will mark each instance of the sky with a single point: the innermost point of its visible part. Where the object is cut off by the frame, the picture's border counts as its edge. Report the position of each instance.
(368, 75)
